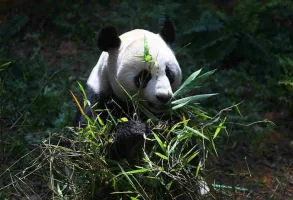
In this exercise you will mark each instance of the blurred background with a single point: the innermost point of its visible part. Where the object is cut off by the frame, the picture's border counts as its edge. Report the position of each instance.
(47, 46)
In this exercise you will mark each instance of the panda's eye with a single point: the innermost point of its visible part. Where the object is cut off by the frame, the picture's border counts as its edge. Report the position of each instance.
(170, 74)
(142, 79)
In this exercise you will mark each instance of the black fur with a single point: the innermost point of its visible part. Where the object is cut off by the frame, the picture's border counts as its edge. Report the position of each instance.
(128, 140)
(142, 79)
(128, 135)
(93, 98)
(168, 32)
(108, 39)
(170, 74)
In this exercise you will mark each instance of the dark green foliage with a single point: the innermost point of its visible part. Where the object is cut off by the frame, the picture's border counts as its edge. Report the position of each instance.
(16, 25)
(251, 34)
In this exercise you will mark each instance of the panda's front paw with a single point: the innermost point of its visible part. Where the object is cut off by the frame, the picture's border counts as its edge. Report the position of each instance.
(129, 136)
(132, 129)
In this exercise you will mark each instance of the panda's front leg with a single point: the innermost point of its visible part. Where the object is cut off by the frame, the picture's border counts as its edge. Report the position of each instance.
(128, 140)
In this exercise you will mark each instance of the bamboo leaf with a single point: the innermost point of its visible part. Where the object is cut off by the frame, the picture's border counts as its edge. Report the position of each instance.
(192, 157)
(100, 120)
(192, 99)
(189, 80)
(192, 82)
(83, 94)
(137, 171)
(160, 143)
(4, 65)
(128, 178)
(220, 127)
(80, 109)
(196, 132)
(214, 147)
(172, 147)
(198, 168)
(180, 105)
(189, 152)
(238, 110)
(78, 104)
(161, 155)
(204, 76)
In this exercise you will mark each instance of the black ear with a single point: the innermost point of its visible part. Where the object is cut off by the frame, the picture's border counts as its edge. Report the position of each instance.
(108, 38)
(168, 32)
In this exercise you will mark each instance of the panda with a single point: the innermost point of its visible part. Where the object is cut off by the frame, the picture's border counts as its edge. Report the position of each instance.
(121, 71)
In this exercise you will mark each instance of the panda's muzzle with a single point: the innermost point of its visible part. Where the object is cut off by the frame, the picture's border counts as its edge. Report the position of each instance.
(155, 108)
(164, 98)
(161, 105)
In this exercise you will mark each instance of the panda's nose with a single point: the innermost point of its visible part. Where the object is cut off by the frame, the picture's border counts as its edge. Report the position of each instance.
(163, 98)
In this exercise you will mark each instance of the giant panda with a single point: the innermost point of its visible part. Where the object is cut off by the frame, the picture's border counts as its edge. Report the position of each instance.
(121, 71)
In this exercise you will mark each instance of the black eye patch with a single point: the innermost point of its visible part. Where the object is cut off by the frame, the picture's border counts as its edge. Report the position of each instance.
(142, 79)
(170, 74)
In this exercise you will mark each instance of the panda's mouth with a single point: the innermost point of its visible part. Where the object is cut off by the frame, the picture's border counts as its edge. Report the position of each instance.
(155, 108)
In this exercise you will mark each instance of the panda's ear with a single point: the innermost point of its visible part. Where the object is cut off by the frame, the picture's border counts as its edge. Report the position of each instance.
(108, 39)
(168, 32)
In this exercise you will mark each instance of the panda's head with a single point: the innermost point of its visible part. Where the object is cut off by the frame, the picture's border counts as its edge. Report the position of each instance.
(153, 81)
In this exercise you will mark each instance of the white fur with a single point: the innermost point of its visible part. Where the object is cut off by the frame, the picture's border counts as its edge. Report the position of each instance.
(118, 67)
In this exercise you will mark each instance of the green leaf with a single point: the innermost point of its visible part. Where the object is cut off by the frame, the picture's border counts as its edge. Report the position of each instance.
(196, 132)
(229, 187)
(198, 168)
(146, 47)
(160, 143)
(100, 120)
(172, 148)
(238, 110)
(4, 65)
(161, 155)
(83, 94)
(204, 76)
(123, 119)
(192, 99)
(59, 191)
(135, 198)
(174, 127)
(148, 58)
(185, 155)
(201, 113)
(192, 82)
(141, 57)
(169, 185)
(184, 87)
(142, 170)
(220, 127)
(192, 157)
(214, 146)
(180, 105)
(124, 192)
(128, 178)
